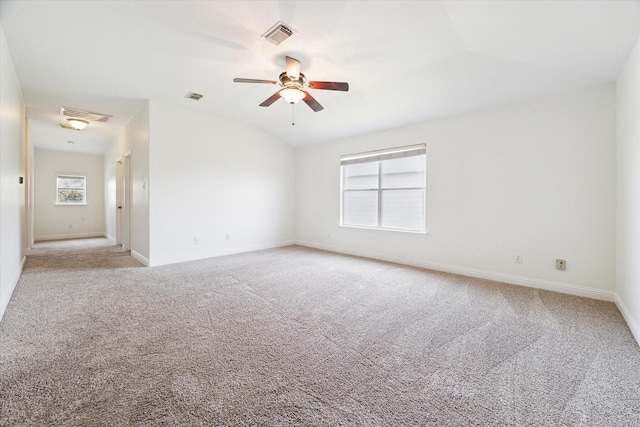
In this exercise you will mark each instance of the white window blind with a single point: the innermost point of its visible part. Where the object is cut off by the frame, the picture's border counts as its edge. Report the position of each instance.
(385, 189)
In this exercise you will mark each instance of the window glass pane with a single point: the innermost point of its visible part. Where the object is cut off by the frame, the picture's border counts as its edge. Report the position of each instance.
(394, 178)
(360, 208)
(406, 172)
(71, 189)
(360, 176)
(403, 209)
(70, 182)
(70, 196)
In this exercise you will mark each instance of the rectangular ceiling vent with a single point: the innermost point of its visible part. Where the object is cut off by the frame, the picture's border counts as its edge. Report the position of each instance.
(93, 117)
(278, 33)
(193, 95)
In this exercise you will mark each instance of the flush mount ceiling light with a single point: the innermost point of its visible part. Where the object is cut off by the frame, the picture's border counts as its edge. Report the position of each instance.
(79, 119)
(78, 124)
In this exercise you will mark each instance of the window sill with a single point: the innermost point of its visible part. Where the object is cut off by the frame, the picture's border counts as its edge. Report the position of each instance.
(71, 204)
(419, 233)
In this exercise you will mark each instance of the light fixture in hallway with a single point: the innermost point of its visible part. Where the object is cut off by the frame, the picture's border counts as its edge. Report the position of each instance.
(78, 124)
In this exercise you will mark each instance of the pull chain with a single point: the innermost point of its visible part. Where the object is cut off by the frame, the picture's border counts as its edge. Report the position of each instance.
(293, 114)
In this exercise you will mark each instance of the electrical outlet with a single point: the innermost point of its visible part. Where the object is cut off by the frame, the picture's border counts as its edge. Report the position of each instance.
(70, 225)
(228, 237)
(196, 241)
(519, 258)
(561, 264)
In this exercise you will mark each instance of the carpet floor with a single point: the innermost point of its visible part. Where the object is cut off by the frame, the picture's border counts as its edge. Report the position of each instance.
(297, 336)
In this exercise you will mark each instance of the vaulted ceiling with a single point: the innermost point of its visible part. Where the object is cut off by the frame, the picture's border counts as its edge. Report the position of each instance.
(405, 61)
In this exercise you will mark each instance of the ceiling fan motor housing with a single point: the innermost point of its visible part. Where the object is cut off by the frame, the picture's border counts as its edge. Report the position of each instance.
(287, 81)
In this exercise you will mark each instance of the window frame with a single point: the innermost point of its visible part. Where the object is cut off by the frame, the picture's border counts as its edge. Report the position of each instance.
(58, 188)
(379, 157)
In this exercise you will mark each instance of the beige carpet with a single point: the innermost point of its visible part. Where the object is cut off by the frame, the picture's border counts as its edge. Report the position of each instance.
(295, 336)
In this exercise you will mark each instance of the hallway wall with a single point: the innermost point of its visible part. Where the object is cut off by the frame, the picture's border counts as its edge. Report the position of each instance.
(53, 222)
(12, 167)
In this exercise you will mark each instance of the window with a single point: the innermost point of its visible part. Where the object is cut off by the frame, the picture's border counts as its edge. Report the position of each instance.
(71, 189)
(385, 189)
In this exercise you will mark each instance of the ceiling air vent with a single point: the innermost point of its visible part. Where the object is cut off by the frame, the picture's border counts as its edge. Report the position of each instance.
(94, 117)
(194, 96)
(278, 33)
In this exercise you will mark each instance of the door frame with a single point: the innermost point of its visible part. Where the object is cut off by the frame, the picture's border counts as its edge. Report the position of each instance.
(123, 201)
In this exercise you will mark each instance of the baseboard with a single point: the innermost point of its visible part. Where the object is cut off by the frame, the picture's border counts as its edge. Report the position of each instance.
(219, 252)
(565, 288)
(531, 282)
(634, 324)
(142, 259)
(111, 239)
(6, 296)
(68, 236)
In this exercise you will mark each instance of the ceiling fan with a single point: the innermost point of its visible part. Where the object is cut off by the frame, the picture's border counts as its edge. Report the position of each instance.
(294, 86)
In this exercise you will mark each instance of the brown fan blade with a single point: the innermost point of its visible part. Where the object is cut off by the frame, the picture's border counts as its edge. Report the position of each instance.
(329, 86)
(273, 98)
(311, 102)
(238, 80)
(293, 68)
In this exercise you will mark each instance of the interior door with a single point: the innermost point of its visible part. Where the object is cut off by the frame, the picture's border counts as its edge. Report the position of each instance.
(119, 188)
(123, 202)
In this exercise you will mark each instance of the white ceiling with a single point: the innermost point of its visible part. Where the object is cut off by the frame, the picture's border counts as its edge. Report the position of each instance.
(405, 61)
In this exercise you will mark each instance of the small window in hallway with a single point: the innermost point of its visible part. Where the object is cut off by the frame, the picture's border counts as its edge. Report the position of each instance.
(71, 189)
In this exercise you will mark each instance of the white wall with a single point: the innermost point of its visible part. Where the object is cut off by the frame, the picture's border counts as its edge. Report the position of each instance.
(51, 221)
(536, 179)
(628, 192)
(29, 153)
(133, 138)
(110, 202)
(212, 178)
(12, 166)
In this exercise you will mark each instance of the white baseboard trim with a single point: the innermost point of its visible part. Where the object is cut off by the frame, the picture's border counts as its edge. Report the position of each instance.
(8, 293)
(111, 239)
(634, 324)
(565, 288)
(142, 259)
(68, 236)
(220, 252)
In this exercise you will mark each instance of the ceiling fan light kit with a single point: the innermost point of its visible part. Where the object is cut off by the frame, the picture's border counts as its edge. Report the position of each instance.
(292, 95)
(294, 86)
